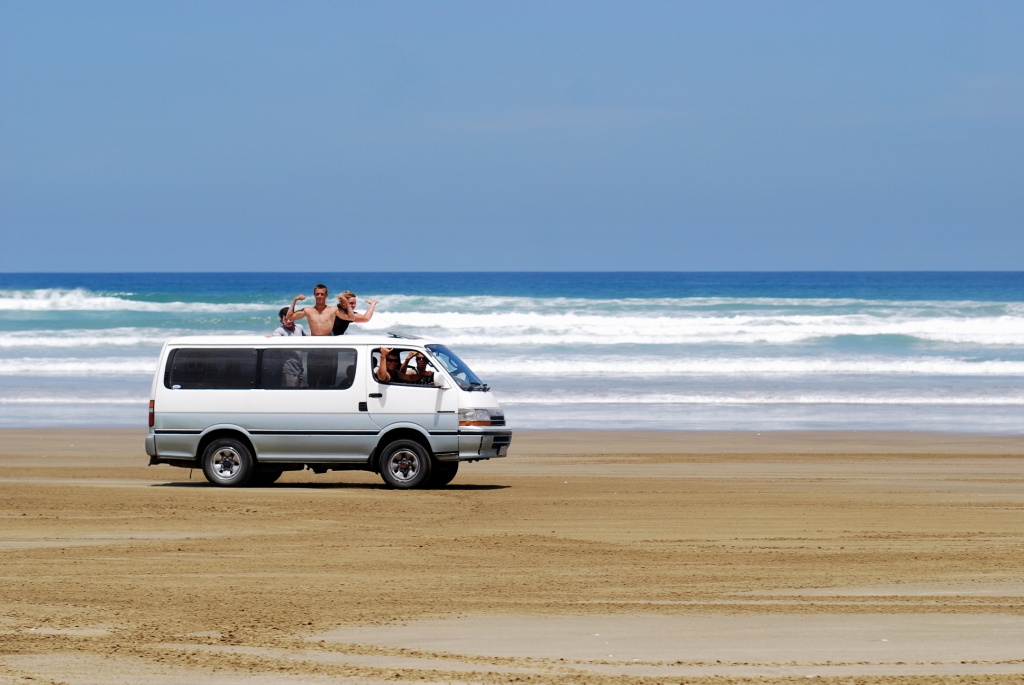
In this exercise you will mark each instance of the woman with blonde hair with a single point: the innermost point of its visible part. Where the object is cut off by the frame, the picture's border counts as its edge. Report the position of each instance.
(347, 313)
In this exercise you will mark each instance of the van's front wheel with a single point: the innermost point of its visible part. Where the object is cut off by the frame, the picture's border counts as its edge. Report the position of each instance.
(227, 462)
(404, 464)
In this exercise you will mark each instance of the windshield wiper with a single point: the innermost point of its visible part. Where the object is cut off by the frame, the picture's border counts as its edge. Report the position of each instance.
(482, 387)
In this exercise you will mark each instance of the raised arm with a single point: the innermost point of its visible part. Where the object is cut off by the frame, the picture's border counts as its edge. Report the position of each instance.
(292, 314)
(421, 369)
(404, 374)
(343, 311)
(382, 369)
(363, 318)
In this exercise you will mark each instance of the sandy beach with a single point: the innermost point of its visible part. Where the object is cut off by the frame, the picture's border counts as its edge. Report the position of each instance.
(584, 557)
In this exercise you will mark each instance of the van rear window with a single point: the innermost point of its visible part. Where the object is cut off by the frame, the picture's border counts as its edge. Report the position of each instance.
(212, 369)
(308, 368)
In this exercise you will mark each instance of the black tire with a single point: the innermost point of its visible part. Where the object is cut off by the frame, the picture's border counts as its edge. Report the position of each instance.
(263, 478)
(227, 463)
(405, 465)
(442, 473)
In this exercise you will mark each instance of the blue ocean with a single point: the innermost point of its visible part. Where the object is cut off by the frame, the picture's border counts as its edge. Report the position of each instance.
(691, 351)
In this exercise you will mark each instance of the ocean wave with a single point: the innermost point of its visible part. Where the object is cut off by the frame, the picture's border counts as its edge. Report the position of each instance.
(611, 367)
(66, 367)
(632, 367)
(115, 337)
(70, 401)
(517, 330)
(55, 299)
(513, 399)
(497, 321)
(579, 329)
(397, 303)
(79, 299)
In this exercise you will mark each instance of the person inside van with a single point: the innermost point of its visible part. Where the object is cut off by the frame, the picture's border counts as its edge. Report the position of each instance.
(392, 370)
(291, 367)
(322, 367)
(420, 375)
(321, 317)
(288, 326)
(350, 315)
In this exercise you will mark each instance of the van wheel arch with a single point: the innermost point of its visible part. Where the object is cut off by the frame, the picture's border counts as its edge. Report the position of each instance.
(398, 434)
(225, 433)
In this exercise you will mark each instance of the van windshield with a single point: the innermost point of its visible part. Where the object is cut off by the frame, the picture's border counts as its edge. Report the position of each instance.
(458, 369)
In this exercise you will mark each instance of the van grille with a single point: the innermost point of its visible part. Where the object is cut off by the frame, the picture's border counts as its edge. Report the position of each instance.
(497, 420)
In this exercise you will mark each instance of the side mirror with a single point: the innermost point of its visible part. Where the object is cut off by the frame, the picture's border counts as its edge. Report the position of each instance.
(440, 381)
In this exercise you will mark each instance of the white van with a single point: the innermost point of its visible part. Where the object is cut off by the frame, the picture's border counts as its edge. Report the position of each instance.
(245, 409)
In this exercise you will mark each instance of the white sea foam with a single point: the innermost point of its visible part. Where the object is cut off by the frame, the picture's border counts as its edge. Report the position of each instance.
(625, 367)
(525, 399)
(64, 400)
(71, 367)
(55, 299)
(491, 303)
(488, 320)
(116, 337)
(459, 328)
(514, 399)
(657, 357)
(78, 299)
(575, 367)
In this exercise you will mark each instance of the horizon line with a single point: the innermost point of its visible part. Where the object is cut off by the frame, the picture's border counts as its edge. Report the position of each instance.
(543, 271)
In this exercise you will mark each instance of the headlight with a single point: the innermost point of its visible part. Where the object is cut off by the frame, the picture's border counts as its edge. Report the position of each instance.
(476, 417)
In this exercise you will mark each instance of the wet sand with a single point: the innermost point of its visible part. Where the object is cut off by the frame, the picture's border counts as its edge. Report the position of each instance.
(583, 557)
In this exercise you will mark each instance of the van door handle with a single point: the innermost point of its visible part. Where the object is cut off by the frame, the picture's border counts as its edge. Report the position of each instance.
(376, 394)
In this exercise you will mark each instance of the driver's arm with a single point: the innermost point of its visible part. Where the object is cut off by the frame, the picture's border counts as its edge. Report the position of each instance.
(382, 368)
(405, 374)
(422, 370)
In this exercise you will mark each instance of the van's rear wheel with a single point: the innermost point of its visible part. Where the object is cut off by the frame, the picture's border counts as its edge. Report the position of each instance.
(442, 473)
(404, 464)
(227, 462)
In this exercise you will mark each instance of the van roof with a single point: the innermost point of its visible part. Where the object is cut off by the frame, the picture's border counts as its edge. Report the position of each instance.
(385, 339)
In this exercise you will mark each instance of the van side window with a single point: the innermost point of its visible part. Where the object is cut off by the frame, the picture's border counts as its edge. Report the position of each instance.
(305, 368)
(211, 369)
(421, 374)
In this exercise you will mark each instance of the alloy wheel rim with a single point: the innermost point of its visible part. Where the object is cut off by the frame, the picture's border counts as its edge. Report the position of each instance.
(404, 465)
(226, 463)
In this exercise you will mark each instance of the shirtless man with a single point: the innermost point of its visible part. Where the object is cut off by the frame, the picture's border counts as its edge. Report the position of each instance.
(320, 316)
(322, 365)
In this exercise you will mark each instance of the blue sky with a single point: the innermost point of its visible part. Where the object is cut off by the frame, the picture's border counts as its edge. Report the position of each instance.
(511, 136)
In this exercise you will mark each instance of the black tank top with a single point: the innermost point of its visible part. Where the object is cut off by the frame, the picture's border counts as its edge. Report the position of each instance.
(340, 326)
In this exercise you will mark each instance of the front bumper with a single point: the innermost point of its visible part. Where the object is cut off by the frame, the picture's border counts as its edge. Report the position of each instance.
(480, 444)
